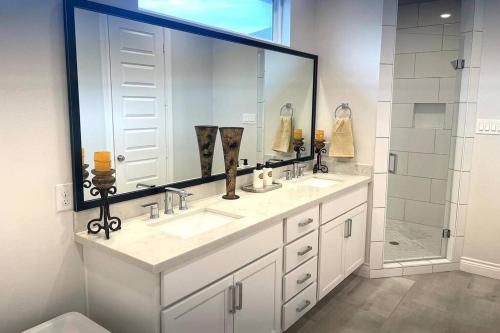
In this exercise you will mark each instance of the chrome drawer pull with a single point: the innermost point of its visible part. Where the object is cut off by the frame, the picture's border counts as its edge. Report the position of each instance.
(307, 249)
(304, 279)
(239, 305)
(232, 296)
(303, 307)
(306, 222)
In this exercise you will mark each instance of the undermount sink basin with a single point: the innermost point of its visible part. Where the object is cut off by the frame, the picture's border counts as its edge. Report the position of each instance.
(194, 223)
(319, 182)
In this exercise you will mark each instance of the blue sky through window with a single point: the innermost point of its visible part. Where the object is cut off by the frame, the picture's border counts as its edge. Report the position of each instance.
(251, 17)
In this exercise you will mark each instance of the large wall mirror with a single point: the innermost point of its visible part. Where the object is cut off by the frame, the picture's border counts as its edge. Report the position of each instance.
(139, 85)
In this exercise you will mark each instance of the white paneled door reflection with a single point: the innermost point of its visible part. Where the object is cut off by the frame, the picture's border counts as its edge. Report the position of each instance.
(137, 64)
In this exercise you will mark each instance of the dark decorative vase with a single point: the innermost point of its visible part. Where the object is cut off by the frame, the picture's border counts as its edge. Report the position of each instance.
(231, 140)
(206, 136)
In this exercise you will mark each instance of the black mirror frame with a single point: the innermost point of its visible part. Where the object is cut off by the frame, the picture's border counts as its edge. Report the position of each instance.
(73, 95)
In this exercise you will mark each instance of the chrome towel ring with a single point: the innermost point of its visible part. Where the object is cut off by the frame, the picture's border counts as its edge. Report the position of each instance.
(287, 107)
(344, 107)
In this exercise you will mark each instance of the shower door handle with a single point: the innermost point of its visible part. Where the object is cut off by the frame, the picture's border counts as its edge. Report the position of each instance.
(393, 163)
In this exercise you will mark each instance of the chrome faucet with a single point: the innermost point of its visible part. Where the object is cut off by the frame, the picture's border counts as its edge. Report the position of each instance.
(169, 200)
(298, 170)
(153, 210)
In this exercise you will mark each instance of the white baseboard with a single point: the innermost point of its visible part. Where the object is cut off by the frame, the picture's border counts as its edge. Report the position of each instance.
(480, 267)
(363, 271)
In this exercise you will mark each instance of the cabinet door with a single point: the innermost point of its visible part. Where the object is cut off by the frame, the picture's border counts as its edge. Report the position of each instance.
(206, 311)
(331, 267)
(355, 239)
(258, 296)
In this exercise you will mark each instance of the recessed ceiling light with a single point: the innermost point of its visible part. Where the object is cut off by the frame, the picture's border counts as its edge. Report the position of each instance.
(445, 15)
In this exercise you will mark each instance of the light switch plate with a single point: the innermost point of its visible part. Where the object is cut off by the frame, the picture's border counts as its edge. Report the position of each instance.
(64, 197)
(488, 126)
(249, 118)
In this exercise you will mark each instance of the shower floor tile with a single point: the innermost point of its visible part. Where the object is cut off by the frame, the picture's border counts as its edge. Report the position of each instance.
(414, 241)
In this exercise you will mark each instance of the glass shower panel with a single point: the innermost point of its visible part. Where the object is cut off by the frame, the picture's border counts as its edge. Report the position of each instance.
(422, 144)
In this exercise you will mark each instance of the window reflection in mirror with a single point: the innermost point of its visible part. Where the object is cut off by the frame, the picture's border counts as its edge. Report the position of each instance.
(144, 88)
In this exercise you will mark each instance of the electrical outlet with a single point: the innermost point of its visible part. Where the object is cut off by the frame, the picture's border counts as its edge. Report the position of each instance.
(64, 197)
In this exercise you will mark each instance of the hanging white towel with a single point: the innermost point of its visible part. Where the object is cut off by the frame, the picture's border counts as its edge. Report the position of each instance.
(342, 139)
(283, 136)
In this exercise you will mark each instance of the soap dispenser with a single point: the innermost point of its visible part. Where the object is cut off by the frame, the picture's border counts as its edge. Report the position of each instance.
(258, 176)
(268, 174)
(244, 165)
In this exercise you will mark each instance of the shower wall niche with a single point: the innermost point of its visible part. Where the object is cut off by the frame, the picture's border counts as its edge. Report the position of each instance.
(424, 104)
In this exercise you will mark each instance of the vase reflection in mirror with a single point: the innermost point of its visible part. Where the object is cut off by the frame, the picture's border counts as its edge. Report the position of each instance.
(206, 136)
(231, 141)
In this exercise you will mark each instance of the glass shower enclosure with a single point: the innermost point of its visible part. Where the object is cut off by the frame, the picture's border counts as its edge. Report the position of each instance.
(426, 86)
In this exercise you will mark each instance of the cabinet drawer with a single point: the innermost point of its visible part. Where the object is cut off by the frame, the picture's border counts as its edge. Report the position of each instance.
(301, 250)
(300, 224)
(298, 279)
(338, 206)
(298, 306)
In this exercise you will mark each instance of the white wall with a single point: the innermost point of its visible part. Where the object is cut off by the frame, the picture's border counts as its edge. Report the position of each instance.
(482, 234)
(42, 274)
(347, 38)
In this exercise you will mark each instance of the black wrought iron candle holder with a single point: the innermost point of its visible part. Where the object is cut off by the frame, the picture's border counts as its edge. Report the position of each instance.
(86, 182)
(319, 148)
(298, 146)
(103, 186)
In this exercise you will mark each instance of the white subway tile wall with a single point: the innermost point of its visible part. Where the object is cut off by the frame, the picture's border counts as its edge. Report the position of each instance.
(402, 115)
(447, 90)
(428, 12)
(379, 190)
(385, 83)
(416, 90)
(407, 16)
(408, 187)
(395, 208)
(390, 13)
(418, 140)
(404, 66)
(387, 48)
(435, 64)
(438, 191)
(430, 115)
(425, 213)
(381, 154)
(376, 244)
(383, 119)
(417, 41)
(401, 162)
(378, 225)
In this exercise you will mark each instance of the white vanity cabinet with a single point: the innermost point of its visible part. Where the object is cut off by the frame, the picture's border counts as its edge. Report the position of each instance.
(334, 236)
(342, 248)
(245, 302)
(234, 288)
(261, 282)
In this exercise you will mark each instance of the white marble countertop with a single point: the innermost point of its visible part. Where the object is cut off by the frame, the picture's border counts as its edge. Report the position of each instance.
(141, 244)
